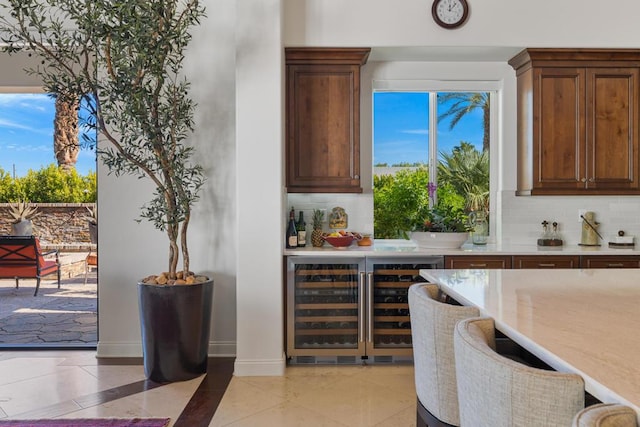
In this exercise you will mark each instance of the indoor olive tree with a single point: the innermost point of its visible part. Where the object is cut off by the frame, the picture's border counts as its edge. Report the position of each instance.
(124, 58)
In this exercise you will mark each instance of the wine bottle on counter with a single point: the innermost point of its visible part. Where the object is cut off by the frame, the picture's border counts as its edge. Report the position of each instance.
(301, 228)
(291, 236)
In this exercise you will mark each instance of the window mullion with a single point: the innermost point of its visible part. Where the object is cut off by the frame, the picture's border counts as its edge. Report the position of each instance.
(433, 142)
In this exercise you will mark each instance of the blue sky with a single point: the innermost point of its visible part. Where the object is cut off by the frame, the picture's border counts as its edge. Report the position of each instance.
(26, 135)
(401, 128)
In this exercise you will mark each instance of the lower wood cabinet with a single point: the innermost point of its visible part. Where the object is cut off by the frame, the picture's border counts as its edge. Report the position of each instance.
(546, 261)
(541, 261)
(610, 261)
(477, 261)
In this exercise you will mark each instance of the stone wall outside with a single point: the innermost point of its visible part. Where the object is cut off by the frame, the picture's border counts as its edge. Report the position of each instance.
(59, 225)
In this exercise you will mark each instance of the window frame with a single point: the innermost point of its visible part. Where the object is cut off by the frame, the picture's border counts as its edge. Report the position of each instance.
(495, 89)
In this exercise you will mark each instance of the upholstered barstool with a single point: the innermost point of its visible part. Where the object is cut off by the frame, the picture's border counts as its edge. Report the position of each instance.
(432, 324)
(606, 415)
(496, 391)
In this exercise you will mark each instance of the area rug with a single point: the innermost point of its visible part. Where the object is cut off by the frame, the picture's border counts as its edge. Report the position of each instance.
(86, 422)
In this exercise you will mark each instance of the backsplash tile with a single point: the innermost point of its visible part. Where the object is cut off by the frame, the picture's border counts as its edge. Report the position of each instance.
(359, 208)
(521, 216)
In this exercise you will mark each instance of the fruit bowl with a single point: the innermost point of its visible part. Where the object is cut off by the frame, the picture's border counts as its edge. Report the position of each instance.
(339, 242)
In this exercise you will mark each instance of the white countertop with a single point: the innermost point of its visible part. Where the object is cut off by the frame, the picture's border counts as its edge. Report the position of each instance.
(584, 321)
(386, 248)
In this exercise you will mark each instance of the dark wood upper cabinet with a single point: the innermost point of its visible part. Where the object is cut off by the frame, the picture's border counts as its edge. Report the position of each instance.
(323, 119)
(578, 130)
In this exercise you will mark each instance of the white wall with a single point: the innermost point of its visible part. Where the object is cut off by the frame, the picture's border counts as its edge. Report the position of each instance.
(259, 166)
(529, 23)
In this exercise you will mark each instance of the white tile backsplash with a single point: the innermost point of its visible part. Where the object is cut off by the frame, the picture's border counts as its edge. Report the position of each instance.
(359, 208)
(520, 216)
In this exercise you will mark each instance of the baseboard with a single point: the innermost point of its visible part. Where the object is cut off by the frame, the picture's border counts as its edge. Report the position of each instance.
(222, 349)
(119, 349)
(259, 367)
(134, 349)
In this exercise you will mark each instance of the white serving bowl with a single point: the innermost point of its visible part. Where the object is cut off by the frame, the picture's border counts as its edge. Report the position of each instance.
(444, 240)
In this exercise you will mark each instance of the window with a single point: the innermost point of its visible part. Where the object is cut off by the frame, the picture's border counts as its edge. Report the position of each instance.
(431, 145)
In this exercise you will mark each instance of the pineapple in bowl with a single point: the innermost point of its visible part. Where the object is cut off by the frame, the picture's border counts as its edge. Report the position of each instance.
(316, 235)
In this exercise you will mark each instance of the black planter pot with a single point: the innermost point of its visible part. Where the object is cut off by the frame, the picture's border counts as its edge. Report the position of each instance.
(175, 322)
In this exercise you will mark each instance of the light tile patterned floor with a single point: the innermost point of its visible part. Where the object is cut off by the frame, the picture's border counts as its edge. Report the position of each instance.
(353, 396)
(68, 384)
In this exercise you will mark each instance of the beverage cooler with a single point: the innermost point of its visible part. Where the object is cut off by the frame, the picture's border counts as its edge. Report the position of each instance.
(348, 309)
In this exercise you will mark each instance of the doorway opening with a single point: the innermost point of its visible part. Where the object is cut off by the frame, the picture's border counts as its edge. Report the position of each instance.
(49, 162)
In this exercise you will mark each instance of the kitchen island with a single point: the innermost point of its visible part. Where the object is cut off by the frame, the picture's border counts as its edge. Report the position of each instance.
(585, 321)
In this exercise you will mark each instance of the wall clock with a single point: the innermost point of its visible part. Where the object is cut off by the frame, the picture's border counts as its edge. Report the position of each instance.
(450, 13)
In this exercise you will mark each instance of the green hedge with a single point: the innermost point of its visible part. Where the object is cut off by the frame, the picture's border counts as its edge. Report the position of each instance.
(48, 185)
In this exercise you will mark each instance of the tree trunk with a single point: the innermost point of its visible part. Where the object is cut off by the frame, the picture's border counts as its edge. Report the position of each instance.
(66, 144)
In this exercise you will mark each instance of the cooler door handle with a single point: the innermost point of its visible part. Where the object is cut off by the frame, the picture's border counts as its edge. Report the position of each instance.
(361, 307)
(370, 306)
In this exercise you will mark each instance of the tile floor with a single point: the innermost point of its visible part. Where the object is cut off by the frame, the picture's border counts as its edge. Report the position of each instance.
(338, 396)
(72, 384)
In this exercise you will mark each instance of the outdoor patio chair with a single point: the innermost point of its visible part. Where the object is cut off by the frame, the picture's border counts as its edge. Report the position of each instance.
(90, 262)
(22, 258)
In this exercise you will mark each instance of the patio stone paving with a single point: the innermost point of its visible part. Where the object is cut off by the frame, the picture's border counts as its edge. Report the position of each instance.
(56, 317)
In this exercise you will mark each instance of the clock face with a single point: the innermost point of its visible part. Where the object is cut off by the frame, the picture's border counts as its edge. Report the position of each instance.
(450, 13)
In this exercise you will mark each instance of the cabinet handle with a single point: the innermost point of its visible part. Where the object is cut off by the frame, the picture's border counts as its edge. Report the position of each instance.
(583, 180)
(361, 307)
(477, 265)
(550, 265)
(618, 265)
(370, 306)
(590, 179)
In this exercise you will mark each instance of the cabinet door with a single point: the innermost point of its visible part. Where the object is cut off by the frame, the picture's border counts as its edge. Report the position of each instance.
(610, 261)
(488, 261)
(546, 261)
(612, 137)
(578, 121)
(323, 120)
(558, 129)
(325, 308)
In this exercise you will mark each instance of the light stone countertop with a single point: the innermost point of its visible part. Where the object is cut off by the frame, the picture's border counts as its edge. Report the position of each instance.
(585, 321)
(393, 248)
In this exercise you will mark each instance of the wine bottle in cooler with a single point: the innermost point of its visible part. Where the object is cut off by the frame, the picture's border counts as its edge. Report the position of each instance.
(291, 236)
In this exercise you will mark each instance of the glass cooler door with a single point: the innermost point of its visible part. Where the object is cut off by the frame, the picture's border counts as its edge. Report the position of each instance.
(326, 307)
(389, 324)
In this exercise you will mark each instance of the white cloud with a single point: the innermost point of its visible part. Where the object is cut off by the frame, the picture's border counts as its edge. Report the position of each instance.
(416, 131)
(14, 125)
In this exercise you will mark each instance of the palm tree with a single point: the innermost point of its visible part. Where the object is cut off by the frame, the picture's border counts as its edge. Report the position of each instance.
(464, 103)
(65, 135)
(467, 171)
